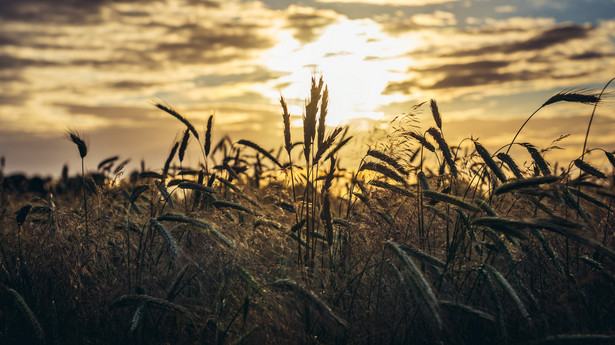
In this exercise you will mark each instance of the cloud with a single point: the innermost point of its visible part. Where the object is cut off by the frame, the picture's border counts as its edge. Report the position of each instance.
(551, 37)
(13, 99)
(222, 43)
(437, 18)
(463, 75)
(58, 11)
(511, 24)
(391, 2)
(256, 75)
(73, 12)
(591, 55)
(528, 56)
(111, 112)
(131, 85)
(307, 22)
(505, 9)
(97, 64)
(9, 62)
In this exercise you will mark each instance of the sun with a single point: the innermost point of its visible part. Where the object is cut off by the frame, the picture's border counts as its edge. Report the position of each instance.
(355, 61)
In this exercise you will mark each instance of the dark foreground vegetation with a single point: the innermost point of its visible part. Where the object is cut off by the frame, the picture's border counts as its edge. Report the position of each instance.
(426, 243)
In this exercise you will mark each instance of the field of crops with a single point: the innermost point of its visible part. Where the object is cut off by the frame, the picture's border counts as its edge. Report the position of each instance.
(425, 242)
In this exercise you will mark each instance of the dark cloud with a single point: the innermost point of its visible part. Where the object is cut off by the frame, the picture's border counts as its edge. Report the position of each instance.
(259, 74)
(9, 75)
(491, 72)
(467, 68)
(591, 56)
(206, 45)
(12, 99)
(8, 62)
(307, 25)
(547, 38)
(122, 58)
(283, 86)
(111, 112)
(463, 75)
(131, 85)
(18, 64)
(78, 12)
(6, 40)
(230, 34)
(55, 11)
(204, 3)
(484, 78)
(246, 98)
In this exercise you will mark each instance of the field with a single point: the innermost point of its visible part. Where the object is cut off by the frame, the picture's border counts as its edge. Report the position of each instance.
(425, 242)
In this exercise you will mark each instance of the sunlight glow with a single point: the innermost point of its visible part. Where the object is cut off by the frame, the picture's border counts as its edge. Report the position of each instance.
(355, 60)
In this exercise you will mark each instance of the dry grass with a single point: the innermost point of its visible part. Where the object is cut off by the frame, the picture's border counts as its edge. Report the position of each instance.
(397, 252)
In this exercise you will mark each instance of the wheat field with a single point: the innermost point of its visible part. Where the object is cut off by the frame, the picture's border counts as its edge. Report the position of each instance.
(425, 242)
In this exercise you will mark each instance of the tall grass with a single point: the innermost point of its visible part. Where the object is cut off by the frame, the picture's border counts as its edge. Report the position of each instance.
(422, 244)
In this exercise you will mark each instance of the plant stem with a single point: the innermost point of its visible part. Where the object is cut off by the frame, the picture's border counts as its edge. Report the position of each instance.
(85, 200)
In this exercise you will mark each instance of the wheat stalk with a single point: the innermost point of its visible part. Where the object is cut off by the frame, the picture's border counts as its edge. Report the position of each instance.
(467, 310)
(423, 180)
(166, 235)
(422, 140)
(183, 145)
(509, 227)
(106, 164)
(538, 159)
(435, 112)
(450, 200)
(326, 144)
(207, 145)
(180, 218)
(77, 139)
(167, 163)
(423, 256)
(384, 170)
(286, 120)
(486, 156)
(150, 301)
(325, 215)
(424, 295)
(524, 183)
(322, 118)
(196, 187)
(587, 168)
(178, 116)
(511, 164)
(392, 188)
(564, 96)
(311, 298)
(262, 151)
(20, 304)
(446, 151)
(387, 159)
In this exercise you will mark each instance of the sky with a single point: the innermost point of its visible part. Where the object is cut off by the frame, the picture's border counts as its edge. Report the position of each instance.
(99, 67)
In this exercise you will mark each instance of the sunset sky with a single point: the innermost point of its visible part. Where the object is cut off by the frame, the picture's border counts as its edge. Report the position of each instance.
(98, 66)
